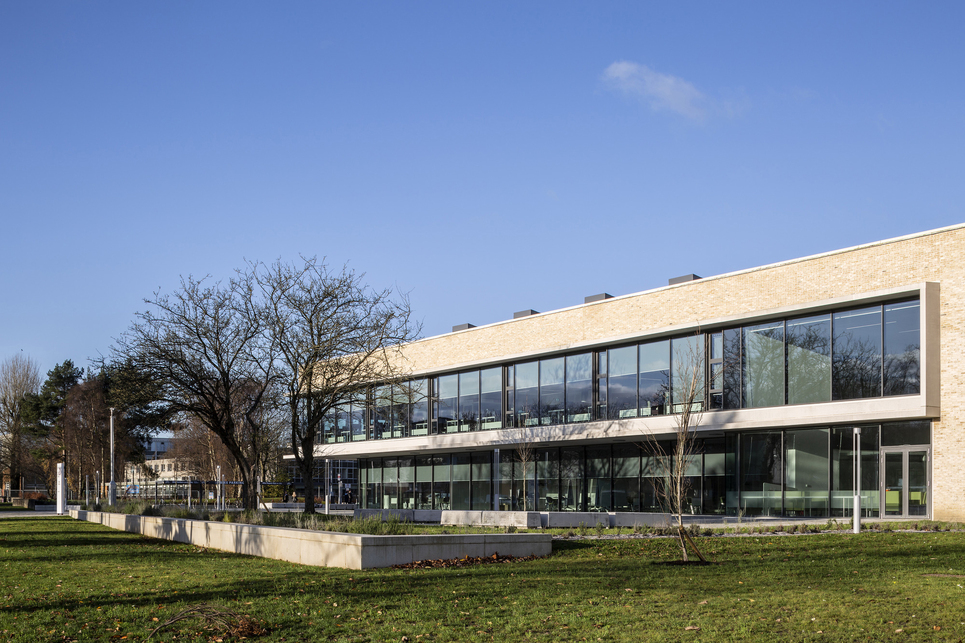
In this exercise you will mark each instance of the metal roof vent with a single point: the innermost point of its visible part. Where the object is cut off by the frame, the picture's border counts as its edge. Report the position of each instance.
(459, 327)
(600, 297)
(683, 279)
(525, 313)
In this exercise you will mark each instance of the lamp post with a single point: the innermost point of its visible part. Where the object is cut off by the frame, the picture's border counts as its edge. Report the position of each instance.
(857, 479)
(112, 487)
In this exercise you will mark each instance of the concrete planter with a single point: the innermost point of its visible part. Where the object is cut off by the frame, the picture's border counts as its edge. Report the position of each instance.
(322, 548)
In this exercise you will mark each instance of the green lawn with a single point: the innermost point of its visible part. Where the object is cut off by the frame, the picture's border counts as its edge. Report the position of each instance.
(66, 580)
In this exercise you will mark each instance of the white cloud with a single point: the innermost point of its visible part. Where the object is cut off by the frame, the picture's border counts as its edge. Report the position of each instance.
(662, 91)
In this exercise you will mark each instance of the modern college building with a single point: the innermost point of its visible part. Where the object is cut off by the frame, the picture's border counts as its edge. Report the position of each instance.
(551, 411)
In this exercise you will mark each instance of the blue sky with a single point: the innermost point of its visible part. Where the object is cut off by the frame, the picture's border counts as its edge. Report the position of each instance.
(485, 157)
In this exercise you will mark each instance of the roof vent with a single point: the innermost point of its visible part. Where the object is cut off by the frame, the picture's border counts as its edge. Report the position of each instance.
(683, 279)
(525, 313)
(600, 297)
(459, 327)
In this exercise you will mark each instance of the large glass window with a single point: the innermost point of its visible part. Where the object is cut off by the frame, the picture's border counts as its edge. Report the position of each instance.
(654, 377)
(551, 391)
(468, 400)
(761, 473)
(548, 479)
(420, 407)
(809, 359)
(490, 399)
(902, 349)
(688, 372)
(571, 479)
(599, 492)
(527, 394)
(407, 482)
(626, 478)
(733, 367)
(857, 354)
(482, 486)
(579, 387)
(806, 473)
(842, 471)
(622, 383)
(401, 409)
(423, 482)
(461, 482)
(440, 482)
(764, 365)
(447, 402)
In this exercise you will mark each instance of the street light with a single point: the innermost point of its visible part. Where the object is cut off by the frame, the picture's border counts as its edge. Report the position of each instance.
(112, 487)
(857, 479)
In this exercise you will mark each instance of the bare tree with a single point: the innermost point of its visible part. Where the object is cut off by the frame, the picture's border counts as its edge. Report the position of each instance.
(334, 338)
(670, 461)
(204, 348)
(19, 378)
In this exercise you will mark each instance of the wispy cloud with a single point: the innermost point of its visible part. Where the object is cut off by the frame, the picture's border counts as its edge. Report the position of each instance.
(663, 92)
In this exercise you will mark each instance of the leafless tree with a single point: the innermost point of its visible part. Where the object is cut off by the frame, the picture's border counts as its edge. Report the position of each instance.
(204, 347)
(19, 377)
(333, 338)
(670, 460)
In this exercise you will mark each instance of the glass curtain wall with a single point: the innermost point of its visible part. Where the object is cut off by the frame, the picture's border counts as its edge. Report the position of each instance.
(551, 391)
(468, 401)
(548, 479)
(764, 365)
(688, 372)
(902, 348)
(482, 476)
(806, 472)
(761, 463)
(809, 359)
(461, 482)
(441, 474)
(423, 482)
(490, 399)
(857, 354)
(654, 383)
(571, 479)
(579, 387)
(621, 398)
(599, 490)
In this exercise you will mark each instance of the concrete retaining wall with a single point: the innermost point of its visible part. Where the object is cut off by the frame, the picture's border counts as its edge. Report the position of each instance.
(520, 519)
(322, 548)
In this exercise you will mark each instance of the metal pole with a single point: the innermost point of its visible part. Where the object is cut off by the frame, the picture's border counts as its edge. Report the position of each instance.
(328, 484)
(217, 484)
(495, 478)
(112, 488)
(87, 489)
(857, 479)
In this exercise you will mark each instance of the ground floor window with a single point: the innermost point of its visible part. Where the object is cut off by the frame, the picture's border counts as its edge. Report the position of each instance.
(804, 472)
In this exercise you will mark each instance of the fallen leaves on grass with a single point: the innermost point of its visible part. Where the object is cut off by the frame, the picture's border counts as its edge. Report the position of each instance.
(464, 562)
(217, 620)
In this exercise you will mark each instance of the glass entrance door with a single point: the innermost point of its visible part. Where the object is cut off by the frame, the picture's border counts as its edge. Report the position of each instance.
(904, 482)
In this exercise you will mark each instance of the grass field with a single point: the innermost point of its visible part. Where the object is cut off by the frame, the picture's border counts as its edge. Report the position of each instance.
(63, 580)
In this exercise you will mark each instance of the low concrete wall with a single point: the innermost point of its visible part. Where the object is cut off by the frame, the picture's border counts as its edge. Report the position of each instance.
(520, 519)
(322, 548)
(621, 519)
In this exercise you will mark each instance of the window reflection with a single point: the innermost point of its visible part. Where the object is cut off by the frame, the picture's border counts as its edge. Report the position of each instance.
(809, 359)
(902, 349)
(857, 354)
(764, 365)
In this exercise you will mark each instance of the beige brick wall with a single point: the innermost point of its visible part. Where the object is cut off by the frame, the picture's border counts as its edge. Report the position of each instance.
(937, 256)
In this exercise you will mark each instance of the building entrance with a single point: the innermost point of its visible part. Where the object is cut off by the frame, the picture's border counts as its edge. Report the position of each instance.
(904, 481)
